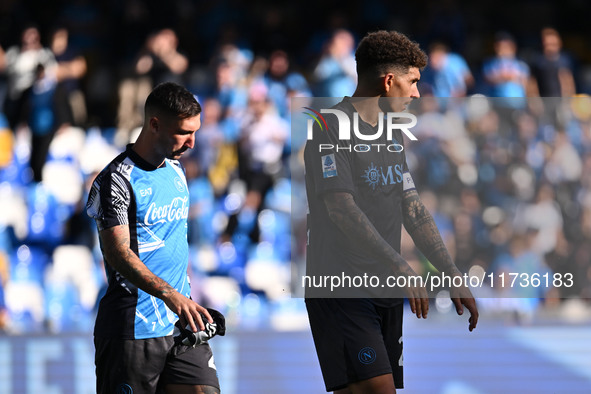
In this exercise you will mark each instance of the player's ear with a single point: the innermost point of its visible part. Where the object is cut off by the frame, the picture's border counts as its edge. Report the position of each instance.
(387, 82)
(154, 123)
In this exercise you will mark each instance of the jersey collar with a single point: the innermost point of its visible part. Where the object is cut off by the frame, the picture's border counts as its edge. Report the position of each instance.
(140, 162)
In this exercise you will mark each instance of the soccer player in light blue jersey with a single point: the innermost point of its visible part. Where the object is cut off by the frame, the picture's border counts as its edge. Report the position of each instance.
(140, 203)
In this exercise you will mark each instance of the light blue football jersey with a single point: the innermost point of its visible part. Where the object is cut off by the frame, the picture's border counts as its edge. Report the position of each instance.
(154, 202)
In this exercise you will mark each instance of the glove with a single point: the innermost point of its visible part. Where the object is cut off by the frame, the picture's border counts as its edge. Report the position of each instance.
(190, 338)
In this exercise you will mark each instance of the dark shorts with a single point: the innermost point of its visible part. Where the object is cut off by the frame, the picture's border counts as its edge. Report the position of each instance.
(356, 340)
(146, 365)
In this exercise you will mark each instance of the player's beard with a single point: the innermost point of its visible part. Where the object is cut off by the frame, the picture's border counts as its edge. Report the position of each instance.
(394, 104)
(178, 153)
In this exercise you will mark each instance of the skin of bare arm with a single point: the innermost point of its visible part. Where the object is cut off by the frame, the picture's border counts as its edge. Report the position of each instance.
(115, 242)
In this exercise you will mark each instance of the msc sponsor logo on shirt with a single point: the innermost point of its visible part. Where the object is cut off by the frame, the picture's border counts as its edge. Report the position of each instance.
(178, 209)
(379, 176)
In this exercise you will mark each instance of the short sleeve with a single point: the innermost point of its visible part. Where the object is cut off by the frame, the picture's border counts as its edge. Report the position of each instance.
(328, 162)
(109, 200)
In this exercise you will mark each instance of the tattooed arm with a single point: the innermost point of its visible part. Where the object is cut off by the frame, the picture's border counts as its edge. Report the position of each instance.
(420, 225)
(115, 242)
(351, 220)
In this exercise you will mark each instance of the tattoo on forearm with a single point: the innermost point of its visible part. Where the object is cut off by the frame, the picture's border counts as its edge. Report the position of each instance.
(420, 225)
(127, 263)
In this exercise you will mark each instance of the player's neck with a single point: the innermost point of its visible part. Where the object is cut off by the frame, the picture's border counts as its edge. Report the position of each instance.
(145, 149)
(367, 108)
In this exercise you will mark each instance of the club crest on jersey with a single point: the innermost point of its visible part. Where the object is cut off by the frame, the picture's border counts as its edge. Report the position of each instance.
(179, 184)
(329, 166)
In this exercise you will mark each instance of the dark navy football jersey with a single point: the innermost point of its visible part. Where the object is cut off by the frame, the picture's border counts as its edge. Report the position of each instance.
(375, 173)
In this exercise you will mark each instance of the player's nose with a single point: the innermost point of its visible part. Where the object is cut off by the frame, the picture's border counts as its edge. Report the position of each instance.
(190, 142)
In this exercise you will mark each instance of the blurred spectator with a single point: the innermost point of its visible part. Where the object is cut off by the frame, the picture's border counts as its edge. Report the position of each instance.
(208, 143)
(210, 136)
(215, 146)
(519, 258)
(281, 80)
(71, 68)
(447, 73)
(532, 148)
(506, 75)
(260, 148)
(507, 78)
(335, 74)
(552, 74)
(21, 71)
(161, 59)
(231, 74)
(471, 235)
(543, 219)
(158, 61)
(564, 164)
(42, 118)
(262, 137)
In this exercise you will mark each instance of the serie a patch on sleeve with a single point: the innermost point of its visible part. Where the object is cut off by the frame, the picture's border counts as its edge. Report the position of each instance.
(407, 182)
(329, 166)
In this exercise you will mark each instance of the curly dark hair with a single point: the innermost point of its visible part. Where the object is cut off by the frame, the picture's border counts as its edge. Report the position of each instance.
(381, 51)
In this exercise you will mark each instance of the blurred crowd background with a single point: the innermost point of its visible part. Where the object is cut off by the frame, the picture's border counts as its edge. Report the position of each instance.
(508, 181)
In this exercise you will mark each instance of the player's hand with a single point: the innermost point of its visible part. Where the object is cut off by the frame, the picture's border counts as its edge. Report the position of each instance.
(462, 296)
(183, 335)
(418, 300)
(189, 311)
(417, 295)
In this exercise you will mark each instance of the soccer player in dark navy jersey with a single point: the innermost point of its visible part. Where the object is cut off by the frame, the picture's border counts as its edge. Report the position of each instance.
(140, 203)
(358, 200)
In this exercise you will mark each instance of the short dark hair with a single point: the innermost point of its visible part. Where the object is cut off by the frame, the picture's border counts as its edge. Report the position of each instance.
(381, 51)
(169, 98)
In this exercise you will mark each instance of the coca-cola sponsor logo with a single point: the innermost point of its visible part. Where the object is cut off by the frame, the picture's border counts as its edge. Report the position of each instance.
(178, 209)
